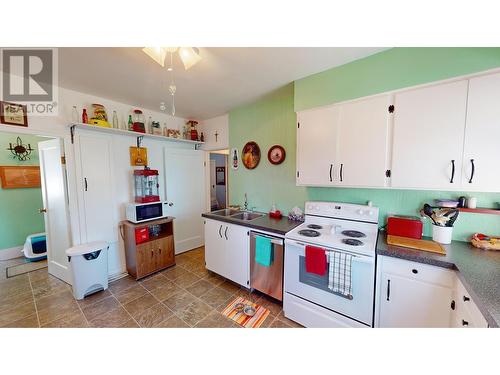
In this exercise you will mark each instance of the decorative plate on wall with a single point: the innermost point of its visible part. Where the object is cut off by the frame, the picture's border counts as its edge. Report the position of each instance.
(276, 155)
(250, 155)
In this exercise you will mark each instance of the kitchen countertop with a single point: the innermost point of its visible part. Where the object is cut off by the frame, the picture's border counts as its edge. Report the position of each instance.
(265, 223)
(479, 271)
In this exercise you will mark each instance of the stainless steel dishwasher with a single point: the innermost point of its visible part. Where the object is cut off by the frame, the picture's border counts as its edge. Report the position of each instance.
(268, 280)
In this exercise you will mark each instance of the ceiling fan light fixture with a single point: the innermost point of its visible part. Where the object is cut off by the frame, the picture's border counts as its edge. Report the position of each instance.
(189, 56)
(158, 54)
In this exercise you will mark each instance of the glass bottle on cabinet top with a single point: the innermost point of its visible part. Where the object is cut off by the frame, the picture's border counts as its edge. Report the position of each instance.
(115, 120)
(74, 114)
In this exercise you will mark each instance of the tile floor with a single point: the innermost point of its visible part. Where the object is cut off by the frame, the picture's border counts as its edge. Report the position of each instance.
(186, 295)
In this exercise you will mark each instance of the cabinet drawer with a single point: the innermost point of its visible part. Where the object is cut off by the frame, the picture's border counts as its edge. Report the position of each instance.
(417, 271)
(465, 306)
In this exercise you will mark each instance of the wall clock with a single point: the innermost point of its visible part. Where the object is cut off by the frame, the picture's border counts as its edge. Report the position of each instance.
(276, 155)
(250, 155)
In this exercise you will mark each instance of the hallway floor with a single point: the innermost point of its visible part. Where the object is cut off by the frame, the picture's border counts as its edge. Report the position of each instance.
(186, 295)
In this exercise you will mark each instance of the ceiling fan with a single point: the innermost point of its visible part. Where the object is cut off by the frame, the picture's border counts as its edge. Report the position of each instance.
(188, 55)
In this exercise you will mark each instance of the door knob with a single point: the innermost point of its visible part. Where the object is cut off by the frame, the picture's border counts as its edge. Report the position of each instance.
(42, 210)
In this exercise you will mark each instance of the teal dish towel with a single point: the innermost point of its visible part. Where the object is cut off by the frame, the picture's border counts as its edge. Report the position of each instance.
(263, 251)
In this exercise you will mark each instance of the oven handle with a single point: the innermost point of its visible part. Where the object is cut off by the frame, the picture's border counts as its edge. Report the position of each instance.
(357, 257)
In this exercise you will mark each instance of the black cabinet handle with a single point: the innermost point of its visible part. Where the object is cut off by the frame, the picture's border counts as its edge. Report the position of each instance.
(86, 184)
(452, 305)
(341, 169)
(331, 169)
(452, 171)
(472, 172)
(388, 289)
(220, 234)
(225, 233)
(465, 323)
(466, 299)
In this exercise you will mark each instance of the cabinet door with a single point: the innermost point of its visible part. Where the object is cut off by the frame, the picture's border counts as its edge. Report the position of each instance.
(428, 137)
(165, 255)
(482, 135)
(96, 193)
(316, 146)
(215, 247)
(363, 140)
(146, 259)
(238, 254)
(406, 302)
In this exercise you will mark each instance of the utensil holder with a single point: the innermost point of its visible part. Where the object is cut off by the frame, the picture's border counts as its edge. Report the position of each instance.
(442, 234)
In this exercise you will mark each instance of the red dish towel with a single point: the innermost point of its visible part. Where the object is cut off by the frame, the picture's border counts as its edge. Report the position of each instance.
(315, 260)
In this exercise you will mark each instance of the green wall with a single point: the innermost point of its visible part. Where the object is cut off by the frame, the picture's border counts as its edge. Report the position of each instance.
(272, 120)
(390, 70)
(19, 207)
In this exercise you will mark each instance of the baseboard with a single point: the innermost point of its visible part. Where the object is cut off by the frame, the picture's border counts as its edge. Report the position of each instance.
(11, 253)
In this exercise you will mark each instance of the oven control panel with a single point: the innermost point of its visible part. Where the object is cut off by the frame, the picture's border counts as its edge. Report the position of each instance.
(346, 211)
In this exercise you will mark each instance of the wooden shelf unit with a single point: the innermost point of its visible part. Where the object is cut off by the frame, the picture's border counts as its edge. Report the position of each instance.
(152, 255)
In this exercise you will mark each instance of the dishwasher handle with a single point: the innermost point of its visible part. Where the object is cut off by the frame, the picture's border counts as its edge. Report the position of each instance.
(274, 240)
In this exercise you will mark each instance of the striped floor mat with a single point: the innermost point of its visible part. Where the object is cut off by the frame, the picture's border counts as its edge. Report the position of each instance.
(255, 321)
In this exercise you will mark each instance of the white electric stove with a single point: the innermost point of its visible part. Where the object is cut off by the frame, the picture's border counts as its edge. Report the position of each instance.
(344, 229)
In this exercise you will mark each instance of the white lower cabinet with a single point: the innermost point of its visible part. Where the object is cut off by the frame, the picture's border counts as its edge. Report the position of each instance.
(465, 312)
(227, 250)
(412, 294)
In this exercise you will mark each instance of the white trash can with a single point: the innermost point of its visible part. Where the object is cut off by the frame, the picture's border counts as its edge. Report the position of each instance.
(89, 268)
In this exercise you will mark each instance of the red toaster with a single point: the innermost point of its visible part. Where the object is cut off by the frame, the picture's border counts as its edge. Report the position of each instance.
(405, 226)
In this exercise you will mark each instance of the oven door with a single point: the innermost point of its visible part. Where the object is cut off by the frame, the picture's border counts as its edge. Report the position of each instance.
(314, 288)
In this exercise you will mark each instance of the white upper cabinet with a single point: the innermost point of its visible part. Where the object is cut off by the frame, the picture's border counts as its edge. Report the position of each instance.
(429, 136)
(363, 135)
(482, 135)
(317, 146)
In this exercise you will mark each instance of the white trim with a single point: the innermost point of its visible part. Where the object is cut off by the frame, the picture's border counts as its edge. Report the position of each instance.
(11, 253)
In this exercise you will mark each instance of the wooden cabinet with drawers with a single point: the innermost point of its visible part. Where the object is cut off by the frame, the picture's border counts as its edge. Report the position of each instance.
(149, 247)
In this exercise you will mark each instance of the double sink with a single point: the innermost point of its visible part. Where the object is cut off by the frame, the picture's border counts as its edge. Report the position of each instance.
(237, 214)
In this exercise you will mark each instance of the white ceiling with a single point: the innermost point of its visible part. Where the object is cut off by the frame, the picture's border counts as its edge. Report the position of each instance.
(224, 79)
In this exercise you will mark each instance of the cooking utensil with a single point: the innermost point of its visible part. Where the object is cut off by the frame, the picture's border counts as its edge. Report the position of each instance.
(427, 210)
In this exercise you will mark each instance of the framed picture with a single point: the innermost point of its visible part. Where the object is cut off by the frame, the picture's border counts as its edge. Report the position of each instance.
(276, 155)
(16, 177)
(13, 114)
(250, 155)
(220, 175)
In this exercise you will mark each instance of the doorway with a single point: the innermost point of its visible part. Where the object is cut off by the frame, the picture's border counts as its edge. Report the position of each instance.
(218, 180)
(34, 221)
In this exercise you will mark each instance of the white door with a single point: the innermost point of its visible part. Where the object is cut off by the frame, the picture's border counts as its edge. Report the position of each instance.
(96, 189)
(428, 137)
(213, 190)
(482, 135)
(410, 303)
(55, 203)
(317, 146)
(363, 141)
(185, 194)
(238, 253)
(215, 247)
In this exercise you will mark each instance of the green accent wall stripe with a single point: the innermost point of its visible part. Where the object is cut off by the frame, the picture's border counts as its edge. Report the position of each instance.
(272, 120)
(391, 70)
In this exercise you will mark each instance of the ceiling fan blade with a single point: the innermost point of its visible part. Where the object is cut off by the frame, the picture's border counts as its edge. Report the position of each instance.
(189, 56)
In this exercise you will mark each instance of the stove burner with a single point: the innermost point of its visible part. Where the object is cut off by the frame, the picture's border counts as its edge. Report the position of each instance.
(309, 233)
(353, 234)
(352, 242)
(314, 226)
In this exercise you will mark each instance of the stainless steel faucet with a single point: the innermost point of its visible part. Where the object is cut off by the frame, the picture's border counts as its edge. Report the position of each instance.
(246, 202)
